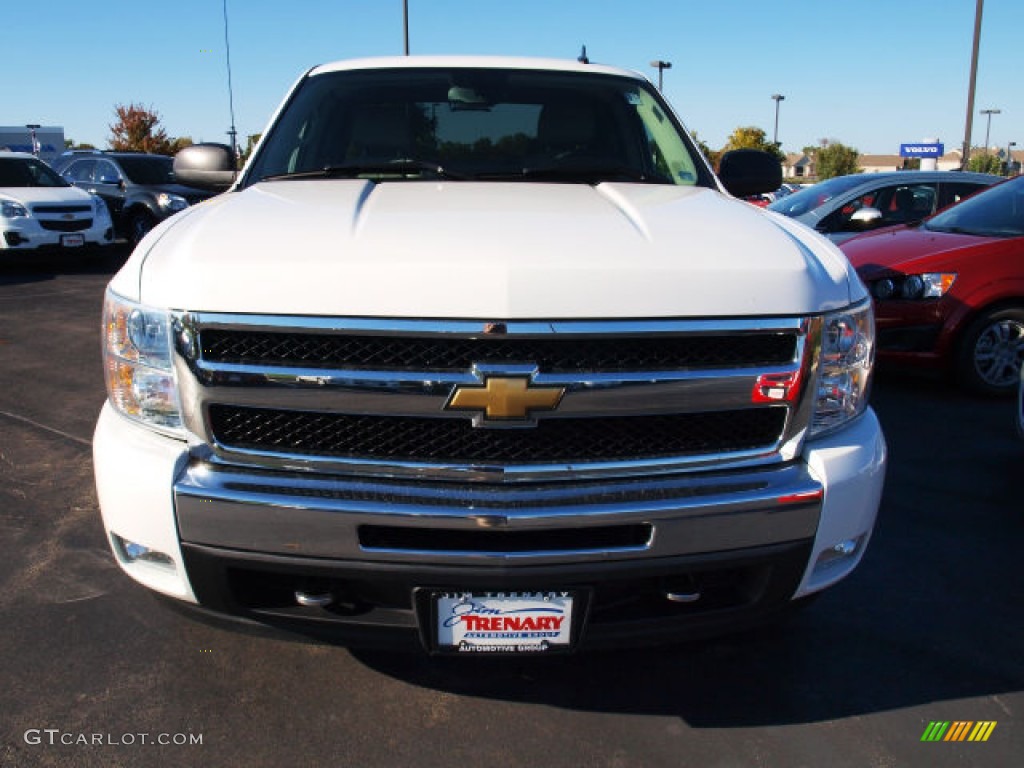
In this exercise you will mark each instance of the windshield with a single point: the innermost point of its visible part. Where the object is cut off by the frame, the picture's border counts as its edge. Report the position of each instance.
(477, 124)
(148, 169)
(810, 198)
(995, 212)
(27, 172)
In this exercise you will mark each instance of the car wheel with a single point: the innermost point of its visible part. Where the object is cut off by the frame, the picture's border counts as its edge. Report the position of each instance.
(992, 351)
(138, 225)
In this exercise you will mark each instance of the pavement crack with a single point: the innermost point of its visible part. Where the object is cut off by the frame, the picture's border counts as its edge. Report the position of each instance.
(46, 428)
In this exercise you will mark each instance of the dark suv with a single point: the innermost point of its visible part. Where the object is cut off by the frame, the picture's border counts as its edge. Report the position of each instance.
(139, 188)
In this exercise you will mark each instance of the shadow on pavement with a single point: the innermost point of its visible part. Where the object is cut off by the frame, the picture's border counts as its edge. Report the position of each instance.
(932, 614)
(19, 268)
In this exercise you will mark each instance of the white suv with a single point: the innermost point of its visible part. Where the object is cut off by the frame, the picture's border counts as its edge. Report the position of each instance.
(39, 210)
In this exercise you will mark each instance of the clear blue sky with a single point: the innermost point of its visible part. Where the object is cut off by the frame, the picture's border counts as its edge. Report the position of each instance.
(871, 74)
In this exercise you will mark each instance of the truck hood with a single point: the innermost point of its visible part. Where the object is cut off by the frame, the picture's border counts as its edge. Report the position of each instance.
(485, 250)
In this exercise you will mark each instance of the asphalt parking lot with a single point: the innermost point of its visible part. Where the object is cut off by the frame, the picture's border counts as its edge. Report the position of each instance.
(930, 628)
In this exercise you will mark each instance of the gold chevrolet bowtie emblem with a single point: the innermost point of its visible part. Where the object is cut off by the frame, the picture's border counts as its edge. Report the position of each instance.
(505, 399)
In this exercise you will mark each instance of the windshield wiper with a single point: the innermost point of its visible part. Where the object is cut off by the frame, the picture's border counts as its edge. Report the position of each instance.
(355, 170)
(590, 174)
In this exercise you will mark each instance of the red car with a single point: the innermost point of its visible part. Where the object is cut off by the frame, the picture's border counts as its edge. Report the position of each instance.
(949, 292)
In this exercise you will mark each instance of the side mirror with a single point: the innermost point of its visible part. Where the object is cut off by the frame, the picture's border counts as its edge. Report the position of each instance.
(746, 172)
(206, 166)
(865, 218)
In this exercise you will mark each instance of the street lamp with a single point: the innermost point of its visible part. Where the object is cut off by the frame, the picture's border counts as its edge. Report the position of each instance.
(777, 97)
(661, 67)
(988, 126)
(32, 127)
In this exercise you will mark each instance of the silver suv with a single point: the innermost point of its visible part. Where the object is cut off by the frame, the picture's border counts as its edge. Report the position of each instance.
(845, 206)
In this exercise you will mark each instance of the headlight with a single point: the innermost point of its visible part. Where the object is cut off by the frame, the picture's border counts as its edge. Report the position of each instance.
(171, 202)
(847, 356)
(928, 285)
(137, 363)
(12, 210)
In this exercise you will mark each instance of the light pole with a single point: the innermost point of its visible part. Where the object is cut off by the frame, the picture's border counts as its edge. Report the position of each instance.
(777, 97)
(988, 126)
(232, 132)
(661, 66)
(966, 152)
(405, 24)
(32, 127)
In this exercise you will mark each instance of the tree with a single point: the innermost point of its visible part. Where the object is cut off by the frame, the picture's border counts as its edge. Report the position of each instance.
(984, 163)
(752, 137)
(138, 129)
(836, 160)
(70, 144)
(709, 154)
(250, 144)
(179, 144)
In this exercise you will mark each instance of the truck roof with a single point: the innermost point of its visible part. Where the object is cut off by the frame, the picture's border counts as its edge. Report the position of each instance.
(473, 62)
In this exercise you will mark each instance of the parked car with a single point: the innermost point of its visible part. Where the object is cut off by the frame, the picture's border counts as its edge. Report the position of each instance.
(949, 293)
(39, 210)
(845, 206)
(139, 188)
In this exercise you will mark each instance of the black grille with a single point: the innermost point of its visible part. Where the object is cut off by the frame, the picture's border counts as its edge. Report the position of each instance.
(573, 354)
(541, 540)
(61, 209)
(66, 226)
(455, 440)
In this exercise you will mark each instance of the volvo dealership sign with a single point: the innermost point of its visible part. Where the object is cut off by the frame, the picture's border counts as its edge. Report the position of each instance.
(934, 151)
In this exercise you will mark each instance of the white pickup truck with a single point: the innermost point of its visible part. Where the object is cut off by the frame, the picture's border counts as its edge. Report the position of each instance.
(478, 355)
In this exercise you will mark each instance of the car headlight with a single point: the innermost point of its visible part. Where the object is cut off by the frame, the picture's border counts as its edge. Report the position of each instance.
(928, 285)
(12, 210)
(137, 363)
(171, 202)
(844, 375)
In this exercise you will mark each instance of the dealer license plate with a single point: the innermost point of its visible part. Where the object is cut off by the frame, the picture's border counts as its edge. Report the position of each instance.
(503, 622)
(72, 241)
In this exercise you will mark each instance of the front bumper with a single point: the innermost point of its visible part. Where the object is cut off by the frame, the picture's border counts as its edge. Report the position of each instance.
(243, 541)
(22, 234)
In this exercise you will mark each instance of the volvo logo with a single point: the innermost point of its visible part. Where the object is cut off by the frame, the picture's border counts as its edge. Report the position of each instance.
(504, 400)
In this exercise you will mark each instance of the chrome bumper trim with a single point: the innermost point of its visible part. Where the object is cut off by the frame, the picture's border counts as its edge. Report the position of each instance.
(319, 516)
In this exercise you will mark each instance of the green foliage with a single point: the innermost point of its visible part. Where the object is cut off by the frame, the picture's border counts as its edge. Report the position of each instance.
(250, 144)
(983, 162)
(752, 137)
(710, 155)
(836, 160)
(71, 144)
(178, 144)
